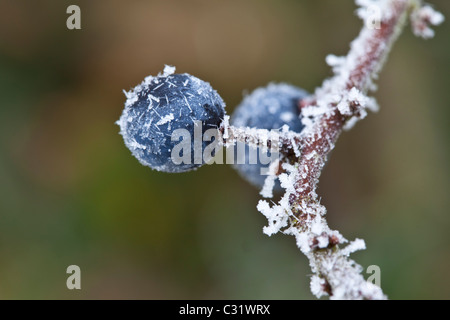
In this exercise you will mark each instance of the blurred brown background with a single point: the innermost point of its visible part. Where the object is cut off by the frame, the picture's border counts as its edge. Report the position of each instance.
(71, 193)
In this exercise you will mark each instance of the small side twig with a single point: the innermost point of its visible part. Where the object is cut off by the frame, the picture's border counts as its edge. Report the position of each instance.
(336, 106)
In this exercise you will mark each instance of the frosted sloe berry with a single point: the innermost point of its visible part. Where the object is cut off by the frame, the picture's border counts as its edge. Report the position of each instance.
(269, 108)
(159, 106)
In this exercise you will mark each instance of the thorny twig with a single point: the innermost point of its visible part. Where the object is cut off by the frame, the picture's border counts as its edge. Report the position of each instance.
(335, 106)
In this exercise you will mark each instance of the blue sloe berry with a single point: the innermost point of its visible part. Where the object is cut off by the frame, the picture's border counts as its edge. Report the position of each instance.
(162, 104)
(269, 107)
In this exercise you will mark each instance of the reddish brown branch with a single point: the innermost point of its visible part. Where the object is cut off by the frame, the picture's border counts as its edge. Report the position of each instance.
(339, 102)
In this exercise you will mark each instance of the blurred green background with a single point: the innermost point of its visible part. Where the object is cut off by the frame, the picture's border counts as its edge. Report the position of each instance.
(71, 193)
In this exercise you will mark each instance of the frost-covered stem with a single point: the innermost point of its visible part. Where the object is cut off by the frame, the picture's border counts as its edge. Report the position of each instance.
(273, 140)
(335, 273)
(337, 105)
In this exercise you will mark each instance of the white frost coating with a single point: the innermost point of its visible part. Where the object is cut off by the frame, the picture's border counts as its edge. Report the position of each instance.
(334, 91)
(289, 178)
(421, 20)
(132, 97)
(334, 61)
(269, 183)
(342, 273)
(137, 145)
(225, 125)
(332, 268)
(355, 96)
(317, 227)
(366, 8)
(253, 137)
(323, 241)
(151, 97)
(356, 245)
(168, 70)
(278, 215)
(317, 284)
(345, 93)
(157, 107)
(287, 116)
(350, 123)
(301, 239)
(165, 119)
(436, 18)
